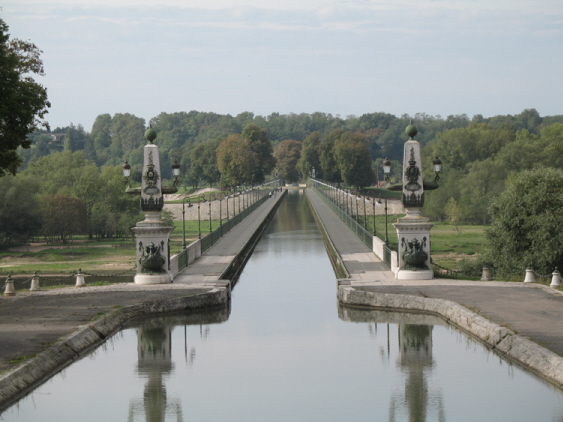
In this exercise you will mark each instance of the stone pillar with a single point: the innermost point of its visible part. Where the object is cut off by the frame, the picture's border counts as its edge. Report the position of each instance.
(413, 230)
(152, 235)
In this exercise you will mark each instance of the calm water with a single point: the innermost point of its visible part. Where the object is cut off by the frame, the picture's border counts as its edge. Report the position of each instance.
(286, 351)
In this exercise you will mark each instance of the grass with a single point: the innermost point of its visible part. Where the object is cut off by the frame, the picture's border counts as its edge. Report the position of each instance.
(20, 359)
(447, 245)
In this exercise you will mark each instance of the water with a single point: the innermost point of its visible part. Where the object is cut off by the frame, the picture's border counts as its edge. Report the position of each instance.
(286, 351)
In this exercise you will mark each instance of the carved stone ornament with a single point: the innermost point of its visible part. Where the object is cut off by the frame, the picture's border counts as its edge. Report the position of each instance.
(151, 261)
(414, 257)
(151, 178)
(412, 173)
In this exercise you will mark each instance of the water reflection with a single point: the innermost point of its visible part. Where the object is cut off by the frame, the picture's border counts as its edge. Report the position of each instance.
(414, 359)
(155, 364)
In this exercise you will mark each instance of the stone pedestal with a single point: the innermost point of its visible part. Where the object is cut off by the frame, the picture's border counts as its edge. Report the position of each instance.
(152, 241)
(413, 234)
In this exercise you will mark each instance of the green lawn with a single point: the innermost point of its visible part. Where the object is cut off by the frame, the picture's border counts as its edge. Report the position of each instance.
(447, 246)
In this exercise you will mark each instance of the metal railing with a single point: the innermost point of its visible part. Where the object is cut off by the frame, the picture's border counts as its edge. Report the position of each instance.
(362, 233)
(387, 255)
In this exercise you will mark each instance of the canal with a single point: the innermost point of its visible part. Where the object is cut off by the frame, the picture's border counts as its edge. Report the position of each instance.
(286, 351)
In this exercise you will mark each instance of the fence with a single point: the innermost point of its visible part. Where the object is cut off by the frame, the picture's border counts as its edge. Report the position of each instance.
(213, 237)
(362, 233)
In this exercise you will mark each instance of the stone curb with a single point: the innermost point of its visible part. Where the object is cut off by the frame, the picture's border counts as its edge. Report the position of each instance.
(22, 379)
(507, 343)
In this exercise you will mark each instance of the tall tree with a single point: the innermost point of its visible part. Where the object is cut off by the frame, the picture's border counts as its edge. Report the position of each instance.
(260, 144)
(23, 102)
(526, 220)
(327, 158)
(352, 156)
(310, 156)
(287, 154)
(236, 161)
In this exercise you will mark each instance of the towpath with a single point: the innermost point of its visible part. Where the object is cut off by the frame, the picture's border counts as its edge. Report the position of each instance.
(532, 310)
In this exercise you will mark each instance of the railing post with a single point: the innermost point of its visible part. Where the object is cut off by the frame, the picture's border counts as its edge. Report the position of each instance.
(556, 279)
(529, 276)
(486, 274)
(80, 279)
(10, 290)
(34, 283)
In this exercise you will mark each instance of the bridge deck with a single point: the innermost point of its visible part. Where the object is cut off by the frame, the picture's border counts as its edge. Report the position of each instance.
(206, 270)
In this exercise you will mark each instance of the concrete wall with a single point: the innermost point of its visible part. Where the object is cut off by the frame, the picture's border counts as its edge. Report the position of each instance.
(193, 251)
(378, 251)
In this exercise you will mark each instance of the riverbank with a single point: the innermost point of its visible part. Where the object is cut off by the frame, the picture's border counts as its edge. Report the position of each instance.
(520, 321)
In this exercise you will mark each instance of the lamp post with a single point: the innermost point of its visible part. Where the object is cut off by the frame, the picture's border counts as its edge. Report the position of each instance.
(373, 207)
(357, 202)
(152, 236)
(365, 218)
(184, 219)
(201, 198)
(211, 194)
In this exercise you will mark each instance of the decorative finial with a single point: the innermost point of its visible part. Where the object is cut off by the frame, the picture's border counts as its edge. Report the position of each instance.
(150, 134)
(411, 131)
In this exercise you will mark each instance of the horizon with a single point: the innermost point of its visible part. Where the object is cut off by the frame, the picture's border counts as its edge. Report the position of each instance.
(346, 57)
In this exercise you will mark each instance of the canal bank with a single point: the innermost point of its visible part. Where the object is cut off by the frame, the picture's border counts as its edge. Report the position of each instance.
(42, 332)
(520, 321)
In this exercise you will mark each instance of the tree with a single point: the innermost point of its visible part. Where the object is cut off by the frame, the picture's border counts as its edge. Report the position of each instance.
(327, 158)
(63, 217)
(452, 214)
(353, 159)
(23, 102)
(236, 161)
(260, 144)
(310, 156)
(527, 220)
(20, 217)
(287, 155)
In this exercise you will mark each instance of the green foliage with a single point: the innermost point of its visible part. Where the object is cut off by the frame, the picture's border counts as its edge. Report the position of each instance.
(452, 214)
(20, 217)
(23, 101)
(352, 156)
(527, 222)
(287, 155)
(310, 156)
(236, 161)
(63, 217)
(260, 145)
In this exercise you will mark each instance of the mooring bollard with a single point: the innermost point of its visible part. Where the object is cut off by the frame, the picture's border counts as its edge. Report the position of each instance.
(556, 279)
(529, 276)
(10, 290)
(486, 274)
(80, 279)
(34, 283)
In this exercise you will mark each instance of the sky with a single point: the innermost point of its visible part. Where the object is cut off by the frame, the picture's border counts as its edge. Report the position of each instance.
(346, 57)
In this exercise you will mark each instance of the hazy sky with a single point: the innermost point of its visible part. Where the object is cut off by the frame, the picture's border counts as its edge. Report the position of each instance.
(342, 57)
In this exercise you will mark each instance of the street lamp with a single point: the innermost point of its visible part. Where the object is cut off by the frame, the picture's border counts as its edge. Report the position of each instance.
(387, 169)
(313, 173)
(201, 198)
(184, 218)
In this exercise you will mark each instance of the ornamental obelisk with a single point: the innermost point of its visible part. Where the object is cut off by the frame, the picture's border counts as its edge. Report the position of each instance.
(152, 235)
(413, 230)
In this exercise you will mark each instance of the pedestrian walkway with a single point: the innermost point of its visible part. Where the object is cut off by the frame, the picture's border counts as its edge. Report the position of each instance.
(207, 269)
(360, 261)
(532, 310)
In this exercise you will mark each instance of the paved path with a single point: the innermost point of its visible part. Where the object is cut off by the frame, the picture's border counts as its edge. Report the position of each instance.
(208, 268)
(29, 322)
(359, 260)
(535, 311)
